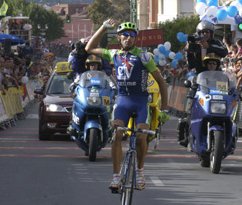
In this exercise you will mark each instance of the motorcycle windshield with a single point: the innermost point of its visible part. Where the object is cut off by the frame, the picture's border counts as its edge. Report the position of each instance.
(93, 78)
(216, 81)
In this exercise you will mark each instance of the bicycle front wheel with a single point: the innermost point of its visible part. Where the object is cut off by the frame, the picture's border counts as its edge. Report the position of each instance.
(128, 181)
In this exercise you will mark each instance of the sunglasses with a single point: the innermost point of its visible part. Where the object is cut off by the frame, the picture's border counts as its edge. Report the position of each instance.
(129, 33)
(212, 63)
(204, 31)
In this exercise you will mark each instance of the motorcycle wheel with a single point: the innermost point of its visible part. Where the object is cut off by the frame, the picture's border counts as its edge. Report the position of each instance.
(216, 155)
(93, 143)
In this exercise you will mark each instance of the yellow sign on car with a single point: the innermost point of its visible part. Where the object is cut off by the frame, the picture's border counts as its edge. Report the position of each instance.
(62, 67)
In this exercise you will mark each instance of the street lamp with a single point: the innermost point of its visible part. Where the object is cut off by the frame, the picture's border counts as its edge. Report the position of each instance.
(133, 11)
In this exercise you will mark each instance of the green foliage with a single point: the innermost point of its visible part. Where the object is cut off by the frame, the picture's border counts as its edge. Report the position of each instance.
(100, 11)
(40, 16)
(170, 29)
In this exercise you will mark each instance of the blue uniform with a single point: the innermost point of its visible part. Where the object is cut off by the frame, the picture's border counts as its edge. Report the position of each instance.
(132, 69)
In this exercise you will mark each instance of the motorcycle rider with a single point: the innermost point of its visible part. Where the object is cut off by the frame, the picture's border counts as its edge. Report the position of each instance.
(131, 67)
(200, 45)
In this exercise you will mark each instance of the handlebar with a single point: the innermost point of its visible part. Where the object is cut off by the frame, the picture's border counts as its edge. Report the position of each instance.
(145, 131)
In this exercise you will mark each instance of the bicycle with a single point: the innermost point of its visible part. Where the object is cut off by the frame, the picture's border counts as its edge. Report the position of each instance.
(129, 164)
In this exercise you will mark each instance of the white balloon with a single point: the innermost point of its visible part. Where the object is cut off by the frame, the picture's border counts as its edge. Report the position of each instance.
(212, 11)
(167, 45)
(172, 55)
(161, 56)
(240, 12)
(237, 4)
(25, 80)
(200, 8)
(159, 45)
(156, 51)
(162, 62)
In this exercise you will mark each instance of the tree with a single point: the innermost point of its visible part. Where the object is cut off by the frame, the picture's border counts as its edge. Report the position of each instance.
(185, 24)
(100, 11)
(40, 16)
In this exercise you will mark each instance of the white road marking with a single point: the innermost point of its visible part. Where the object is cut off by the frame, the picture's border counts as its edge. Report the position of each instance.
(156, 181)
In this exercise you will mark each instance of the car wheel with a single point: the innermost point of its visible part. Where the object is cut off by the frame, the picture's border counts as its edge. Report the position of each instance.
(43, 135)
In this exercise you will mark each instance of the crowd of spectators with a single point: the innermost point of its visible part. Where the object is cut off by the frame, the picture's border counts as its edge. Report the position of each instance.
(22, 65)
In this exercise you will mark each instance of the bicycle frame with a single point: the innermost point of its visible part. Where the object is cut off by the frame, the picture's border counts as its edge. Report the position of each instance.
(129, 165)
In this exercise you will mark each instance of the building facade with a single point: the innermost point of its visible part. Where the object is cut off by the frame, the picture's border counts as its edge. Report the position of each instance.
(162, 10)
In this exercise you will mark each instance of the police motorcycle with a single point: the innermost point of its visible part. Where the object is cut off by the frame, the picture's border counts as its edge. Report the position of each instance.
(92, 105)
(213, 131)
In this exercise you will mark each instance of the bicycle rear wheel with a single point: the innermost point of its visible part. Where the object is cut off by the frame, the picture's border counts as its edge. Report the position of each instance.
(128, 181)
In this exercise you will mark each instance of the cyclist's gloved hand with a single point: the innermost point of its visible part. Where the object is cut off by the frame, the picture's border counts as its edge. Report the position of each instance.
(110, 23)
(163, 117)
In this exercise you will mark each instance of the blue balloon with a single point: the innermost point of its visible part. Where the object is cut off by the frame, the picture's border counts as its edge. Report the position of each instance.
(162, 49)
(180, 36)
(213, 3)
(203, 1)
(221, 14)
(178, 56)
(166, 53)
(156, 59)
(240, 1)
(174, 63)
(232, 11)
(185, 38)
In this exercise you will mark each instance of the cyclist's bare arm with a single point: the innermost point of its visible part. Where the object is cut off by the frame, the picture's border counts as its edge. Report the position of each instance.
(163, 88)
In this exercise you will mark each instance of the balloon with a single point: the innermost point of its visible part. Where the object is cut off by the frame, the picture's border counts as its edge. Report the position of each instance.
(162, 49)
(221, 14)
(161, 56)
(213, 3)
(172, 55)
(167, 45)
(211, 11)
(203, 1)
(240, 1)
(240, 12)
(232, 11)
(156, 51)
(174, 63)
(162, 62)
(179, 36)
(200, 8)
(185, 38)
(178, 56)
(25, 80)
(156, 59)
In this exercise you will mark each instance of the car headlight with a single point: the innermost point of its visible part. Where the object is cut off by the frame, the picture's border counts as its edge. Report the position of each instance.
(75, 118)
(94, 100)
(55, 108)
(218, 107)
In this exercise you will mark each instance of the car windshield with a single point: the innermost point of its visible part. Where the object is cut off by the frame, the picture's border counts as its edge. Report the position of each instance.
(59, 85)
(215, 80)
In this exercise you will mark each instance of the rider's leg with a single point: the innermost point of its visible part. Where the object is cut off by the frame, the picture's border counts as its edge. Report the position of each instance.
(141, 152)
(116, 154)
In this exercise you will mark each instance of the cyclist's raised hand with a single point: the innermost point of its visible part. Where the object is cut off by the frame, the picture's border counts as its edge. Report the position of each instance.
(110, 23)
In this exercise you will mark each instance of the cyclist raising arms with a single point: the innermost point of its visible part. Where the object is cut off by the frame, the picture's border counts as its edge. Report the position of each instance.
(131, 67)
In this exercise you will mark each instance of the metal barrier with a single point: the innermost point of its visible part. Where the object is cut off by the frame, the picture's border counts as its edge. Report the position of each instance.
(13, 102)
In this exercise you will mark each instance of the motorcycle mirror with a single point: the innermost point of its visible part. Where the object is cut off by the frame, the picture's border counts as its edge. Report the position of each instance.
(187, 84)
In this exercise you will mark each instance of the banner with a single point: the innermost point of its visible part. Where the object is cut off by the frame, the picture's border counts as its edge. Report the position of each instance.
(3, 9)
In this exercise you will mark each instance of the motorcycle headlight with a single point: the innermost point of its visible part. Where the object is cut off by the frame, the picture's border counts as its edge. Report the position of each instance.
(55, 108)
(94, 100)
(218, 107)
(75, 119)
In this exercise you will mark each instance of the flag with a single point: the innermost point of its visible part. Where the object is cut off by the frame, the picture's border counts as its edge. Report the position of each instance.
(3, 9)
